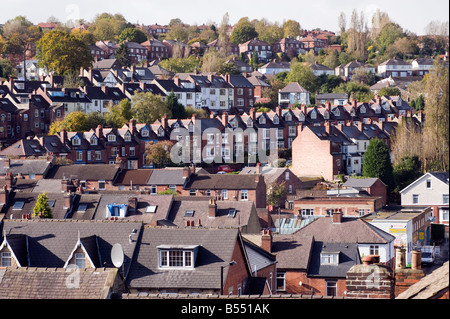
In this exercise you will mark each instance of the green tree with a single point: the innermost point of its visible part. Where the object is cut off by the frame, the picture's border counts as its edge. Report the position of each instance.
(302, 74)
(254, 60)
(389, 91)
(175, 107)
(123, 55)
(133, 35)
(107, 26)
(119, 114)
(181, 65)
(61, 52)
(276, 193)
(407, 171)
(42, 207)
(243, 31)
(388, 35)
(148, 107)
(377, 163)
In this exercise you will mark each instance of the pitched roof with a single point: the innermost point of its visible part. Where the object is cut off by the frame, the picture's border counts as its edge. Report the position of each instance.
(222, 181)
(51, 283)
(84, 172)
(50, 242)
(133, 177)
(292, 251)
(350, 230)
(215, 248)
(360, 182)
(293, 87)
(167, 176)
(29, 200)
(26, 167)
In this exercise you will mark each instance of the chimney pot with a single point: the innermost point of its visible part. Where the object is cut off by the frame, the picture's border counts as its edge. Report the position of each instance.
(266, 240)
(212, 208)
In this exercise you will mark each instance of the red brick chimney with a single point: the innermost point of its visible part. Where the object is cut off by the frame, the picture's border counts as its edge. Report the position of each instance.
(278, 110)
(328, 106)
(132, 126)
(266, 240)
(252, 114)
(212, 208)
(225, 119)
(6, 163)
(337, 217)
(99, 131)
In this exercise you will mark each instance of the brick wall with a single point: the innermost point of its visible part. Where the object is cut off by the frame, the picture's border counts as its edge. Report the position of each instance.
(237, 275)
(370, 282)
(405, 278)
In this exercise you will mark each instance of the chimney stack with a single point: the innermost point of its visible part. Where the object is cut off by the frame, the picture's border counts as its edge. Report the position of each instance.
(6, 163)
(212, 208)
(132, 204)
(337, 216)
(68, 200)
(225, 119)
(186, 172)
(133, 127)
(99, 131)
(252, 114)
(266, 240)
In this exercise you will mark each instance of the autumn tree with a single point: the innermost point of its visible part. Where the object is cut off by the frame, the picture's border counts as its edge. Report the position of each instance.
(119, 114)
(61, 52)
(291, 29)
(158, 154)
(42, 207)
(107, 26)
(73, 122)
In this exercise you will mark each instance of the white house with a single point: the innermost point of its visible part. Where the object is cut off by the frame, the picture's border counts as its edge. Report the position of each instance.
(293, 93)
(319, 69)
(431, 189)
(421, 66)
(395, 68)
(274, 67)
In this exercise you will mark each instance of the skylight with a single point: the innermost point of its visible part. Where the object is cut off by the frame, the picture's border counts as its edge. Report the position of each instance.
(231, 213)
(151, 209)
(82, 208)
(189, 213)
(18, 205)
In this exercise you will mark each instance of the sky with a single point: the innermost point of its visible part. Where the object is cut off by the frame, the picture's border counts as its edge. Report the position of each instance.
(411, 15)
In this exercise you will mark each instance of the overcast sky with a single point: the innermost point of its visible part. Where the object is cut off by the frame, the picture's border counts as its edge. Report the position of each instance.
(412, 15)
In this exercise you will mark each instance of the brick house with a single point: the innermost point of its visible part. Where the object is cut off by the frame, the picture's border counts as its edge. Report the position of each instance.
(263, 49)
(373, 186)
(244, 91)
(324, 251)
(316, 152)
(228, 187)
(156, 50)
(215, 258)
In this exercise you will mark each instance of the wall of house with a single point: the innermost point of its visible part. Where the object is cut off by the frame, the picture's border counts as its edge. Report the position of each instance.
(311, 156)
(427, 196)
(235, 276)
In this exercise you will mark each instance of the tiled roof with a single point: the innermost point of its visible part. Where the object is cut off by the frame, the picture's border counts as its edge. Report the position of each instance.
(215, 249)
(84, 172)
(222, 181)
(51, 283)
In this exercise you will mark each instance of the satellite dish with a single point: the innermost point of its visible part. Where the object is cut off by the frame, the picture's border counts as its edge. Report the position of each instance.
(117, 255)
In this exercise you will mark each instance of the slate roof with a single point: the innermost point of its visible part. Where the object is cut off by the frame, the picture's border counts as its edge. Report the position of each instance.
(51, 283)
(84, 172)
(360, 182)
(350, 230)
(348, 256)
(200, 207)
(26, 167)
(29, 200)
(222, 181)
(293, 87)
(135, 177)
(50, 242)
(292, 251)
(171, 176)
(216, 248)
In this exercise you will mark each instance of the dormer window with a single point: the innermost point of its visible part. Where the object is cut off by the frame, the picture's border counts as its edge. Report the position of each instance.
(276, 120)
(288, 117)
(144, 133)
(93, 140)
(250, 123)
(313, 115)
(326, 115)
(336, 112)
(160, 132)
(127, 137)
(362, 109)
(76, 141)
(111, 138)
(378, 109)
(329, 258)
(178, 257)
(262, 120)
(301, 117)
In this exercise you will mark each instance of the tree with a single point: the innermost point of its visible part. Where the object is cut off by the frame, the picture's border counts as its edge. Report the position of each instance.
(132, 35)
(276, 193)
(175, 107)
(291, 29)
(388, 35)
(107, 26)
(181, 65)
(243, 32)
(123, 55)
(148, 107)
(377, 163)
(119, 114)
(302, 74)
(223, 40)
(158, 154)
(42, 207)
(61, 52)
(407, 171)
(74, 122)
(389, 91)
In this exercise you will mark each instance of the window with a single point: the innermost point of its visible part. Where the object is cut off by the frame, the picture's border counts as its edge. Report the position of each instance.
(189, 213)
(281, 281)
(329, 258)
(132, 151)
(80, 260)
(6, 259)
(292, 130)
(415, 198)
(151, 209)
(308, 211)
(76, 141)
(18, 205)
(98, 155)
(93, 140)
(153, 191)
(445, 198)
(331, 288)
(111, 138)
(231, 212)
(176, 258)
(101, 185)
(127, 137)
(244, 194)
(428, 183)
(286, 176)
(225, 193)
(192, 192)
(374, 250)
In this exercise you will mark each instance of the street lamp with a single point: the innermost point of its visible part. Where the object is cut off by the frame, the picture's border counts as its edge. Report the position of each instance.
(231, 263)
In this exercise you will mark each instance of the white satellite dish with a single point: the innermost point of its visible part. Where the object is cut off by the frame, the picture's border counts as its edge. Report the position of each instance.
(117, 255)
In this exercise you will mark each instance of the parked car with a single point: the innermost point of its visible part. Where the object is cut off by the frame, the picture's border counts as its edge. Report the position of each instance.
(225, 168)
